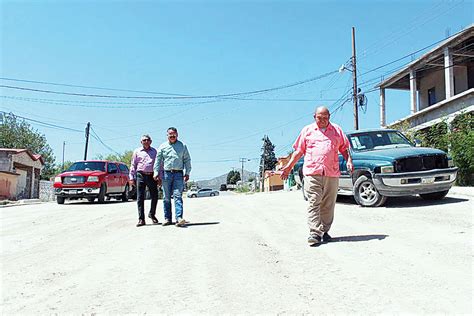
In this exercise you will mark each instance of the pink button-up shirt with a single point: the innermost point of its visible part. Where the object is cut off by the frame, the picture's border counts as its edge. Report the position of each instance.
(320, 149)
(142, 160)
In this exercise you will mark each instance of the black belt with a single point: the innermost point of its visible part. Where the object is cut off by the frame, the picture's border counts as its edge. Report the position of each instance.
(145, 173)
(174, 171)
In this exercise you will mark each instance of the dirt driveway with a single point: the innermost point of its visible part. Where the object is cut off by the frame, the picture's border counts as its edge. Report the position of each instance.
(240, 254)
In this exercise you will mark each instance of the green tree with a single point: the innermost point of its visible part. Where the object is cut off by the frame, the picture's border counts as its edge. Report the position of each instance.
(268, 159)
(16, 133)
(233, 176)
(126, 157)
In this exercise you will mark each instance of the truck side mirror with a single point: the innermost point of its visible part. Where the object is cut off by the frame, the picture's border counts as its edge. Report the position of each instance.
(417, 142)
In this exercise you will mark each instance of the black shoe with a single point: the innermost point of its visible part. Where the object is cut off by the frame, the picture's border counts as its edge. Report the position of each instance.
(153, 219)
(141, 222)
(314, 240)
(327, 237)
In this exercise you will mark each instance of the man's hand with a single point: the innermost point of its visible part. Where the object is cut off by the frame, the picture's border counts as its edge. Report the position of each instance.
(131, 182)
(158, 180)
(284, 172)
(350, 166)
(186, 177)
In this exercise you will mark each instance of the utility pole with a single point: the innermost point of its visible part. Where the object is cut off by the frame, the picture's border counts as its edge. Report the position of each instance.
(242, 160)
(87, 139)
(64, 146)
(354, 78)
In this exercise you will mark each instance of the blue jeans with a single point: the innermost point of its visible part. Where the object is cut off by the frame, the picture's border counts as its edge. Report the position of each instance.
(173, 183)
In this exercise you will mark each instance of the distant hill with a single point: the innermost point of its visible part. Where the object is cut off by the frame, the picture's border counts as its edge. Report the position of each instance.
(216, 182)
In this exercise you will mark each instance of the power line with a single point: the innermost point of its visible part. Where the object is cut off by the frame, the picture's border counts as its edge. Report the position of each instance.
(94, 134)
(175, 97)
(87, 87)
(43, 123)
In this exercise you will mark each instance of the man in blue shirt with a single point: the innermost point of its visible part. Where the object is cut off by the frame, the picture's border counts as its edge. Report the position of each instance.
(173, 157)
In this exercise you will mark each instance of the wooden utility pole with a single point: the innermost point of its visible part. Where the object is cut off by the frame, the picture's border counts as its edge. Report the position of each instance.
(354, 78)
(64, 147)
(87, 139)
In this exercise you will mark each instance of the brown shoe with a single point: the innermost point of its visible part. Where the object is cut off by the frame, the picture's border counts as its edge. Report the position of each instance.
(153, 219)
(180, 222)
(141, 222)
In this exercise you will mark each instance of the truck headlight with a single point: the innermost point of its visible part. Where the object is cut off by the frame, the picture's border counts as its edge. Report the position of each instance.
(92, 179)
(57, 179)
(450, 162)
(386, 169)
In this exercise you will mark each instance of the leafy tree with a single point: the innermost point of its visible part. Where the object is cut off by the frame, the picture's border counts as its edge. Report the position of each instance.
(126, 157)
(233, 176)
(16, 133)
(268, 159)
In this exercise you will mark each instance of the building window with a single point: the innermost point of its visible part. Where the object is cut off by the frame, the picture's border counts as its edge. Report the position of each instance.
(431, 96)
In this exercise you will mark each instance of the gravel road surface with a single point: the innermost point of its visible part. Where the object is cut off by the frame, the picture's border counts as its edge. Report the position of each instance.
(239, 254)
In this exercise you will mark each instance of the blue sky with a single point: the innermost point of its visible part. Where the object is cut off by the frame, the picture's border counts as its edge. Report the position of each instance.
(203, 48)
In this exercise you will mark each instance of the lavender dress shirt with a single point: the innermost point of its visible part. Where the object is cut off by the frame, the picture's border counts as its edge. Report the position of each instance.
(142, 160)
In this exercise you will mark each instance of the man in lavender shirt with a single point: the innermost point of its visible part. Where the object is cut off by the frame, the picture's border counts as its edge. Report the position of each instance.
(141, 175)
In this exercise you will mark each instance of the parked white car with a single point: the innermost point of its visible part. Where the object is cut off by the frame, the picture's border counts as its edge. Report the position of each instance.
(202, 193)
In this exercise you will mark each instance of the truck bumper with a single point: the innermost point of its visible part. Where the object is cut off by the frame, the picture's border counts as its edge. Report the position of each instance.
(410, 183)
(77, 192)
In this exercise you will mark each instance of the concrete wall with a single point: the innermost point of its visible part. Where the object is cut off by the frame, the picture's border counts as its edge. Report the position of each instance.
(8, 185)
(436, 80)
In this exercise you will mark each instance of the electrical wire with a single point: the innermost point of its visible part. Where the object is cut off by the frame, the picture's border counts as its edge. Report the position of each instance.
(175, 97)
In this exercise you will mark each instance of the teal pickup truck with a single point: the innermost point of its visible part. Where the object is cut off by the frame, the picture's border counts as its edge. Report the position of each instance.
(387, 164)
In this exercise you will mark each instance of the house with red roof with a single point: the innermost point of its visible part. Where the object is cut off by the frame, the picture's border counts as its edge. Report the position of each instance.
(20, 171)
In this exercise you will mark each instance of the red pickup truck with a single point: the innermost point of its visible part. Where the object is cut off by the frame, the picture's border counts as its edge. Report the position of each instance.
(93, 179)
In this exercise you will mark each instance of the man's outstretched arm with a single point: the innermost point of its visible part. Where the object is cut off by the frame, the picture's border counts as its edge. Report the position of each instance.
(285, 171)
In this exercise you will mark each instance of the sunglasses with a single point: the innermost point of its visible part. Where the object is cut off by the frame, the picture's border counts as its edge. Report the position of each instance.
(146, 140)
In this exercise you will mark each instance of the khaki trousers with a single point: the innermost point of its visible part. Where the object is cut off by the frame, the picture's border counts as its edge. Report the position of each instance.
(322, 194)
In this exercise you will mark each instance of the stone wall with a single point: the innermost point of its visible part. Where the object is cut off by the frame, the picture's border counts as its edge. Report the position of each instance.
(46, 191)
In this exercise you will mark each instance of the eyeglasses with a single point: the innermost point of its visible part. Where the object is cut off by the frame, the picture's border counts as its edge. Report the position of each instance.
(171, 135)
(146, 140)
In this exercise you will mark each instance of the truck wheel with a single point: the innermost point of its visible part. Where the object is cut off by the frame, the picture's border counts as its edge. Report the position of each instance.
(125, 194)
(60, 199)
(193, 195)
(212, 194)
(366, 194)
(91, 199)
(101, 197)
(434, 195)
(302, 189)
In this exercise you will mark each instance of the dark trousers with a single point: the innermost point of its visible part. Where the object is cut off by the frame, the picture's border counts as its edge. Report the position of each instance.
(144, 181)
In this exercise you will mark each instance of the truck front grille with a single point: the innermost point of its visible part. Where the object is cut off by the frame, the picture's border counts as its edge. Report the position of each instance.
(74, 180)
(421, 163)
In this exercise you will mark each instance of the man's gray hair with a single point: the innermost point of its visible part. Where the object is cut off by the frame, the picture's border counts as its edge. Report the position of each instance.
(146, 136)
(321, 108)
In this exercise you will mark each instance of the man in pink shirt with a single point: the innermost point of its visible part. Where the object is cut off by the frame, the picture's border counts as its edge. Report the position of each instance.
(320, 144)
(141, 175)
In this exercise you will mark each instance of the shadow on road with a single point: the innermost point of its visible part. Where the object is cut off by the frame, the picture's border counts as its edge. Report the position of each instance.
(414, 201)
(404, 201)
(202, 224)
(358, 238)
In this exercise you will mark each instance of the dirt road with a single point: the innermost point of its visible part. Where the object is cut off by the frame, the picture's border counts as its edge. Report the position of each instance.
(240, 254)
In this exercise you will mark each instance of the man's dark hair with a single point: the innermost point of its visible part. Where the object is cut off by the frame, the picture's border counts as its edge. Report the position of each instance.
(173, 129)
